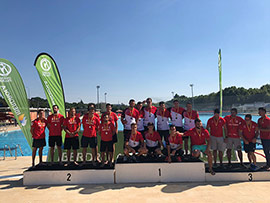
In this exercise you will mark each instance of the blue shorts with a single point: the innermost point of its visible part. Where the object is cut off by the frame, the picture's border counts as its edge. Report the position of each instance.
(201, 148)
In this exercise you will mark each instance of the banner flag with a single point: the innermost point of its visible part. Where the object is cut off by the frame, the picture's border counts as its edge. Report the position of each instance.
(13, 91)
(51, 81)
(220, 79)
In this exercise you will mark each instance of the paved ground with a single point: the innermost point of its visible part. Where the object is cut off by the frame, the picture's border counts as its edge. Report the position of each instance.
(12, 190)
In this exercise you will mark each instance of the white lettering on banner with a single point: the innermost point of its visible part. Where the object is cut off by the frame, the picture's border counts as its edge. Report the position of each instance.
(11, 100)
(45, 64)
(49, 91)
(79, 156)
(5, 69)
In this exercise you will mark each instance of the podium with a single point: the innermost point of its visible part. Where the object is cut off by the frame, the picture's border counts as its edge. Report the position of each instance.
(148, 171)
(60, 175)
(143, 171)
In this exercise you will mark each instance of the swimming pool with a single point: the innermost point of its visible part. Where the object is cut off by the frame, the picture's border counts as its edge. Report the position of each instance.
(13, 138)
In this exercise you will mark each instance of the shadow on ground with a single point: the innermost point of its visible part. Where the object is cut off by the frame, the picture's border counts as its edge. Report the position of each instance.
(90, 189)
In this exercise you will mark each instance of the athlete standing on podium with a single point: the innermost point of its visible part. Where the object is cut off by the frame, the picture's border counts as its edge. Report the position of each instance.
(72, 126)
(149, 114)
(177, 116)
(233, 123)
(249, 134)
(113, 119)
(89, 138)
(264, 128)
(38, 133)
(139, 107)
(163, 116)
(200, 142)
(189, 118)
(55, 125)
(130, 115)
(216, 125)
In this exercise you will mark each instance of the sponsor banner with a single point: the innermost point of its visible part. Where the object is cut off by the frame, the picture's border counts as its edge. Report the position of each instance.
(13, 91)
(51, 82)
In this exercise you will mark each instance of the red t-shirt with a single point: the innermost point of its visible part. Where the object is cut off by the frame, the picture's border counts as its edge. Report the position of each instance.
(106, 131)
(112, 117)
(177, 139)
(233, 125)
(90, 125)
(56, 122)
(264, 123)
(38, 127)
(133, 113)
(249, 132)
(134, 140)
(72, 124)
(95, 114)
(152, 139)
(216, 126)
(196, 138)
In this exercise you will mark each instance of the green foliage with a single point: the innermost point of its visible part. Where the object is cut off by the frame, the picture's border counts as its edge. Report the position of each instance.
(231, 95)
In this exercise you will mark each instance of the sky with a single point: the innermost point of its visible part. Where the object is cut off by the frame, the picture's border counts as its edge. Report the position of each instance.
(139, 48)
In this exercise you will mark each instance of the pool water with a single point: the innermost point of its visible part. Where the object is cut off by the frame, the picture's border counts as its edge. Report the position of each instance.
(13, 138)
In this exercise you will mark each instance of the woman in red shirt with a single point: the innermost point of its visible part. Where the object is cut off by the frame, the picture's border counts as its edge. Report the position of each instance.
(38, 133)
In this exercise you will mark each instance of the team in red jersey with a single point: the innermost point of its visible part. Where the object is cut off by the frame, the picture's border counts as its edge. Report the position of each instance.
(113, 119)
(146, 140)
(140, 125)
(174, 145)
(249, 134)
(90, 124)
(38, 133)
(149, 113)
(106, 130)
(177, 116)
(153, 140)
(55, 125)
(216, 125)
(130, 115)
(233, 123)
(189, 117)
(72, 127)
(163, 115)
(200, 142)
(264, 129)
(134, 143)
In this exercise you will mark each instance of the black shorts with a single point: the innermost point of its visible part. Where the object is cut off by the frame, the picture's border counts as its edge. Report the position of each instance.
(106, 145)
(136, 148)
(91, 141)
(185, 137)
(114, 138)
(127, 134)
(39, 143)
(55, 140)
(179, 129)
(250, 147)
(71, 142)
(179, 152)
(152, 149)
(164, 133)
